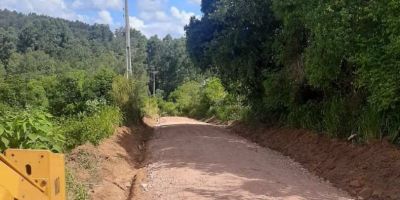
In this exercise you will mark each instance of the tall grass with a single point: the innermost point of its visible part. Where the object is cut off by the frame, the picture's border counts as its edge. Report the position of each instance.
(369, 124)
(75, 189)
(151, 108)
(306, 116)
(337, 118)
(391, 127)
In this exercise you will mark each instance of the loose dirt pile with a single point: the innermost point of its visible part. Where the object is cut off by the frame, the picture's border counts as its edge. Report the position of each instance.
(110, 170)
(371, 171)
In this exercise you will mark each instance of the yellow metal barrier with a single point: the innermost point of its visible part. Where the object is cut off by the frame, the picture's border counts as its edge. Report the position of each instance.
(4, 194)
(32, 175)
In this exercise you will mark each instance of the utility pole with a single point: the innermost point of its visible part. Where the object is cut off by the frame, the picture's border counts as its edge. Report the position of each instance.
(154, 72)
(128, 42)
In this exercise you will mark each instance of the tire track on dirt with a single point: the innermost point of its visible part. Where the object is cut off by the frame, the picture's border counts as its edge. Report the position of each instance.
(193, 160)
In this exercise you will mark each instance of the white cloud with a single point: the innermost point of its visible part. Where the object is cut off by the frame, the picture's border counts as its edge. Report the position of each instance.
(156, 18)
(98, 4)
(182, 16)
(136, 23)
(198, 2)
(54, 8)
(104, 17)
(151, 5)
(156, 28)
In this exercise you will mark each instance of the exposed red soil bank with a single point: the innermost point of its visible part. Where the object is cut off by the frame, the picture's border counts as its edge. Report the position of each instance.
(110, 170)
(371, 171)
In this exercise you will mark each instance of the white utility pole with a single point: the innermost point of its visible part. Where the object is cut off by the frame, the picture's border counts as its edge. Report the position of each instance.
(154, 72)
(128, 41)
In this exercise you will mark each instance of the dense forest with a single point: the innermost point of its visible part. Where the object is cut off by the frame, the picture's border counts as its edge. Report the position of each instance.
(327, 66)
(330, 66)
(62, 83)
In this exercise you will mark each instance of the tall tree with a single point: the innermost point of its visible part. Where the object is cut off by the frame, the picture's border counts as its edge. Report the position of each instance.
(237, 39)
(7, 44)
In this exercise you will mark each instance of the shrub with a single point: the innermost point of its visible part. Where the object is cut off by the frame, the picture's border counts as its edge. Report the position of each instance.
(305, 116)
(369, 124)
(92, 128)
(29, 129)
(100, 85)
(187, 98)
(18, 92)
(94, 106)
(391, 126)
(2, 71)
(121, 91)
(231, 108)
(129, 95)
(336, 118)
(276, 98)
(36, 94)
(204, 100)
(168, 108)
(150, 108)
(67, 93)
(214, 91)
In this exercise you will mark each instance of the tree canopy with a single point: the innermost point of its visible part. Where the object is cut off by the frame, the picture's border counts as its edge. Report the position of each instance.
(302, 61)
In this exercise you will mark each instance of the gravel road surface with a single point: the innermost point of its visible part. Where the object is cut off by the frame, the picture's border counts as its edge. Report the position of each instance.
(194, 160)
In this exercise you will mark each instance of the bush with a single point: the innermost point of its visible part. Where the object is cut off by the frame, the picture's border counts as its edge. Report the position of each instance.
(187, 98)
(203, 100)
(29, 129)
(67, 93)
(100, 85)
(305, 116)
(150, 108)
(130, 96)
(214, 91)
(231, 109)
(168, 108)
(2, 71)
(276, 98)
(369, 124)
(92, 128)
(18, 92)
(391, 126)
(336, 118)
(36, 94)
(121, 91)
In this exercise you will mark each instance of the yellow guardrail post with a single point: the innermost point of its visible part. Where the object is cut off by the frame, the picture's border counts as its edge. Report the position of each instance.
(32, 175)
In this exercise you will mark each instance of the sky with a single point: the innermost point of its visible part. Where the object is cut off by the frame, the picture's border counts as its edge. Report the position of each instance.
(151, 17)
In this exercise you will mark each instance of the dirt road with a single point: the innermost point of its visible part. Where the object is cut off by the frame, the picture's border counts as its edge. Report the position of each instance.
(194, 160)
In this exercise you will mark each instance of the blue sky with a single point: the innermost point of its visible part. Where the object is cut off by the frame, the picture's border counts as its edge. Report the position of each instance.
(151, 17)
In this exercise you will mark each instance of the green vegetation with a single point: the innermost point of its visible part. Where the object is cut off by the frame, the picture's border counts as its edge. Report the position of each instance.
(29, 129)
(327, 66)
(91, 128)
(202, 99)
(75, 189)
(330, 66)
(62, 83)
